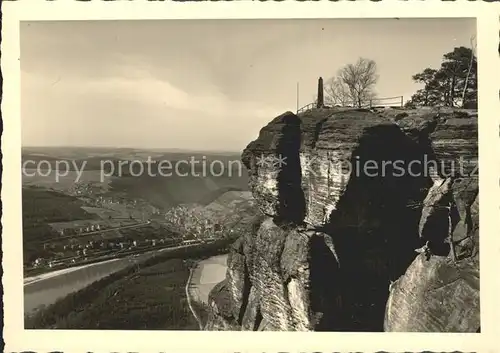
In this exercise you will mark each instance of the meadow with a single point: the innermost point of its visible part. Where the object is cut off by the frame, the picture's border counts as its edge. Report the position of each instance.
(40, 208)
(49, 179)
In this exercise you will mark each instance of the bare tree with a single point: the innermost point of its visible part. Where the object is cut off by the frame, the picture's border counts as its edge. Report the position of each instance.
(338, 93)
(473, 46)
(360, 79)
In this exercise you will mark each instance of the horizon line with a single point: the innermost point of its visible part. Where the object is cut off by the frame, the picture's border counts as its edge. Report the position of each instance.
(133, 148)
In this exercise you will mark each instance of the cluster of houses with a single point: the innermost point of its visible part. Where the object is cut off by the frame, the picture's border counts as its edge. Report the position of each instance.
(185, 219)
(85, 188)
(81, 230)
(79, 252)
(96, 249)
(91, 193)
(50, 263)
(101, 201)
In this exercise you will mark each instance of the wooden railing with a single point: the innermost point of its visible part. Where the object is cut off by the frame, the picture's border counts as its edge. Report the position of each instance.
(306, 108)
(396, 101)
(385, 102)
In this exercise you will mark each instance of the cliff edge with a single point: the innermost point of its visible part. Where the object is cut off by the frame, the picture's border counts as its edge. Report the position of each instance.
(369, 223)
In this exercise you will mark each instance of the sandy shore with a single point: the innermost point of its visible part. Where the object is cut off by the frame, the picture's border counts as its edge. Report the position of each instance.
(205, 276)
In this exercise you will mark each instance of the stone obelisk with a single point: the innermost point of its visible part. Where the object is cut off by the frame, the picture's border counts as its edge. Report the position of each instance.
(320, 103)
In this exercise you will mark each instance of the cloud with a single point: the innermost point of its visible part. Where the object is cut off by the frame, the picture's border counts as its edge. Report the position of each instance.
(135, 110)
(140, 86)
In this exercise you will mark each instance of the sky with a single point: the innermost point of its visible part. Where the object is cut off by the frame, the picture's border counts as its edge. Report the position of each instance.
(204, 84)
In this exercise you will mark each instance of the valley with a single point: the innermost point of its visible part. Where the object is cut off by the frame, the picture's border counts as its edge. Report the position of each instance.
(77, 233)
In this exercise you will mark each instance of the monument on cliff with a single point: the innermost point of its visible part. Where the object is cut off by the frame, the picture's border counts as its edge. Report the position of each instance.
(320, 102)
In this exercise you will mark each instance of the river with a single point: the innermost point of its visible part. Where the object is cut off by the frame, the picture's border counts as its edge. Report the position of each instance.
(45, 289)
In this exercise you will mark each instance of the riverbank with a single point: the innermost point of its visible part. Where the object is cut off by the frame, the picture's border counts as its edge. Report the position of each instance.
(150, 295)
(44, 272)
(47, 275)
(204, 276)
(45, 289)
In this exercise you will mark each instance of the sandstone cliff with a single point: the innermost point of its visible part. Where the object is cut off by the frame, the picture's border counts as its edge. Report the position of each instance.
(369, 223)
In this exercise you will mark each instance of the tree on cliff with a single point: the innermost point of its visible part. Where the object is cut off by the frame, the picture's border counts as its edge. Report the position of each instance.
(360, 79)
(353, 86)
(454, 84)
(337, 93)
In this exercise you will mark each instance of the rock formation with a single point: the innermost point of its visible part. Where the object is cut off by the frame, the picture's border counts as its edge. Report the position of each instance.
(369, 223)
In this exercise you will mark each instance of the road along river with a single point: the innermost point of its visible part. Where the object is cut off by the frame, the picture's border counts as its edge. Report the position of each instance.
(45, 289)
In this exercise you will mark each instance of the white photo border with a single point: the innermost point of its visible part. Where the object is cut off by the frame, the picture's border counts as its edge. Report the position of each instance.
(17, 338)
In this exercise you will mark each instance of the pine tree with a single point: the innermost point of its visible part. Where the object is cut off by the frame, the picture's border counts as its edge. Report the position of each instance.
(454, 84)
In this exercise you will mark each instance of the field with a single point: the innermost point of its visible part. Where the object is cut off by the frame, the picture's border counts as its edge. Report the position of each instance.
(57, 227)
(169, 191)
(49, 180)
(40, 208)
(191, 184)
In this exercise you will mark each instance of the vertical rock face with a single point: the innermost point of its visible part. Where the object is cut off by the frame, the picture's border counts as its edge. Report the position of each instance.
(446, 284)
(346, 197)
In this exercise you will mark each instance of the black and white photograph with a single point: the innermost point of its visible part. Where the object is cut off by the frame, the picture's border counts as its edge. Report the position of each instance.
(250, 175)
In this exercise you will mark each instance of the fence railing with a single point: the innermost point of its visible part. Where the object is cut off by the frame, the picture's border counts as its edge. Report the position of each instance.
(385, 102)
(306, 107)
(396, 101)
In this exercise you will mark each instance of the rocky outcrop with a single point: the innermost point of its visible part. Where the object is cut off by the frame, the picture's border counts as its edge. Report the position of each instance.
(369, 223)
